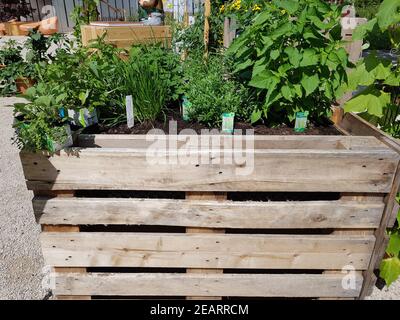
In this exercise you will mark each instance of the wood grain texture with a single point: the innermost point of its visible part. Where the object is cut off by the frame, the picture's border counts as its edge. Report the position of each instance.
(355, 125)
(206, 250)
(233, 285)
(262, 170)
(66, 229)
(208, 213)
(126, 36)
(207, 141)
(217, 197)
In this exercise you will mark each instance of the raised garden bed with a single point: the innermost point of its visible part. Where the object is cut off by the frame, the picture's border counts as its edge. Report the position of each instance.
(118, 223)
(124, 35)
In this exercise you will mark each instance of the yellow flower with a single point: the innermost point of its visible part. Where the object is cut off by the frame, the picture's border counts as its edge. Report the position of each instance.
(256, 7)
(283, 11)
(236, 5)
(222, 8)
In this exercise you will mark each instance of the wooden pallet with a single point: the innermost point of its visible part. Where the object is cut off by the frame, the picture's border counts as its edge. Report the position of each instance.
(201, 237)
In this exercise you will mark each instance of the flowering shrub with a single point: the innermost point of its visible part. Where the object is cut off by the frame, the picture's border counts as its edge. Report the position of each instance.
(243, 10)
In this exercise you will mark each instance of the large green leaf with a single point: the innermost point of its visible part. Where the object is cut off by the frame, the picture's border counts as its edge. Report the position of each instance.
(287, 93)
(310, 58)
(310, 83)
(274, 54)
(359, 77)
(390, 270)
(264, 80)
(293, 55)
(290, 6)
(393, 247)
(242, 66)
(388, 14)
(255, 116)
(371, 100)
(361, 31)
(380, 69)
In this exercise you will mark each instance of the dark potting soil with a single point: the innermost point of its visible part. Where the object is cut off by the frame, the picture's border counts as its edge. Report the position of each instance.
(173, 115)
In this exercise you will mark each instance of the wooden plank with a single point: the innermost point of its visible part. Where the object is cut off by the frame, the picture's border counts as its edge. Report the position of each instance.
(192, 170)
(217, 141)
(126, 36)
(357, 126)
(204, 196)
(206, 250)
(66, 229)
(233, 285)
(380, 234)
(208, 213)
(393, 216)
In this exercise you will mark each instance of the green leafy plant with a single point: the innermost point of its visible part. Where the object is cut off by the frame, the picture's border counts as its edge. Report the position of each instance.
(212, 90)
(10, 52)
(151, 77)
(191, 38)
(390, 266)
(84, 14)
(293, 55)
(38, 122)
(378, 102)
(377, 76)
(242, 10)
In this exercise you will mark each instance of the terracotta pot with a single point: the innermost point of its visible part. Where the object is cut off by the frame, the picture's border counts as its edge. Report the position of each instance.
(2, 66)
(23, 84)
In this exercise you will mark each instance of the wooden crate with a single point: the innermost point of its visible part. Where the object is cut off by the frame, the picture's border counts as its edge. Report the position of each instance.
(202, 231)
(124, 36)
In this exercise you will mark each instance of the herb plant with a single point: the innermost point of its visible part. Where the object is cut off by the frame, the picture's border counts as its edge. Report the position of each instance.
(212, 90)
(38, 122)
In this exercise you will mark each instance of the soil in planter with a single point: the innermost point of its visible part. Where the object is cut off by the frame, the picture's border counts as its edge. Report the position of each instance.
(143, 128)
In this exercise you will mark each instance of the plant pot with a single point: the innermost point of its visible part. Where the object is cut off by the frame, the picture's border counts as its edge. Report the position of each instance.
(23, 84)
(2, 66)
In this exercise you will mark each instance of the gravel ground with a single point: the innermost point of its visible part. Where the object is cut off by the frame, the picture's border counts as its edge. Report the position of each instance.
(21, 261)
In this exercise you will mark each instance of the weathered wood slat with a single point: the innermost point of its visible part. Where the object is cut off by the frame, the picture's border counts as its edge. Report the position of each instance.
(259, 170)
(217, 141)
(234, 285)
(211, 214)
(357, 126)
(206, 250)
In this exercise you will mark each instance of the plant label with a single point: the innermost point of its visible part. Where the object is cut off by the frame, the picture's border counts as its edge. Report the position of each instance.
(228, 120)
(83, 117)
(130, 119)
(301, 121)
(186, 105)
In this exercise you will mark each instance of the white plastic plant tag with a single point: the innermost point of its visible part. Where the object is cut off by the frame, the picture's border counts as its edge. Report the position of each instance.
(130, 120)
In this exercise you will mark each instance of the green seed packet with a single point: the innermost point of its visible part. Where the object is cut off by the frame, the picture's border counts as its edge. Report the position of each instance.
(301, 121)
(186, 105)
(228, 120)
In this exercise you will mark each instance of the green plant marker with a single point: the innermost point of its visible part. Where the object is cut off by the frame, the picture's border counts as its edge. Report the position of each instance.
(301, 121)
(228, 120)
(186, 105)
(50, 144)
